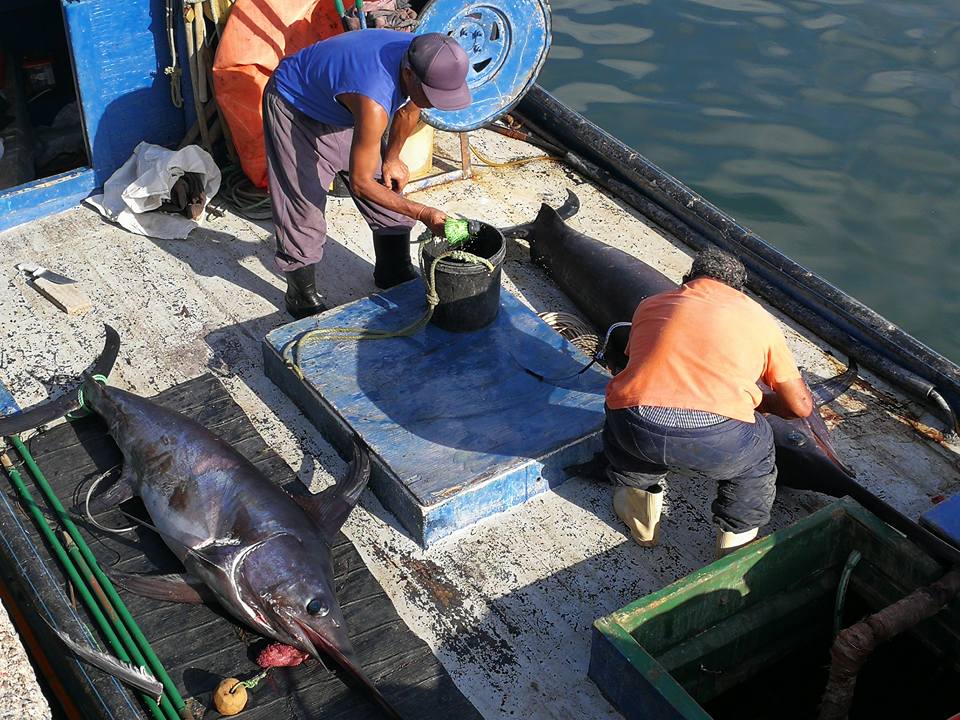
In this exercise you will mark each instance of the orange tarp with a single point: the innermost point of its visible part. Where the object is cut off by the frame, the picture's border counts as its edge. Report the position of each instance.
(258, 34)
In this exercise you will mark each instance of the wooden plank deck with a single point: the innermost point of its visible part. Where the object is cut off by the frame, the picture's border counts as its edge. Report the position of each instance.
(200, 645)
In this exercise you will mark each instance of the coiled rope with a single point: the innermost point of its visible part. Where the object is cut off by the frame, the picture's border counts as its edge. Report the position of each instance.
(82, 409)
(292, 352)
(246, 198)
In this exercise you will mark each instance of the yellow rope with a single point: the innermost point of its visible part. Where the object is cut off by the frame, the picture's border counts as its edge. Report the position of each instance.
(509, 163)
(489, 162)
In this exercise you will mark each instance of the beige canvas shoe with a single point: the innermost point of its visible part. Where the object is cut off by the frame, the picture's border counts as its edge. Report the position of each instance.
(640, 510)
(727, 542)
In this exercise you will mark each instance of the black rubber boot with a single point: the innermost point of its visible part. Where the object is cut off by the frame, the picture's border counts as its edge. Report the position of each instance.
(301, 298)
(393, 264)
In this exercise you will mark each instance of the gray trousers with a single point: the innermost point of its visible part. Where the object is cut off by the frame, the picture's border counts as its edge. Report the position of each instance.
(303, 155)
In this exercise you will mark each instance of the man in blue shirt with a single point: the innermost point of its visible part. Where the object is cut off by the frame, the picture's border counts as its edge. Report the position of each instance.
(326, 109)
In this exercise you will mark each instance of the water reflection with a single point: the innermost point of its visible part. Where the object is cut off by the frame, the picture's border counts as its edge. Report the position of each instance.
(611, 34)
(831, 128)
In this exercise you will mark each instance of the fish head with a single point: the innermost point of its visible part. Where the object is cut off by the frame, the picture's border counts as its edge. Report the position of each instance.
(806, 457)
(289, 585)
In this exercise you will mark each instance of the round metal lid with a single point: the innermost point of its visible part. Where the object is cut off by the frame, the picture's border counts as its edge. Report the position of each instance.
(507, 43)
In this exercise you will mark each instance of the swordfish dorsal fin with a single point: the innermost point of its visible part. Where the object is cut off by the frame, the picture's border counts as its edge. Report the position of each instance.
(832, 388)
(330, 508)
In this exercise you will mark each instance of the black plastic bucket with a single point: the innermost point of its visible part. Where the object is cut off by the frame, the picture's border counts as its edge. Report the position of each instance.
(469, 292)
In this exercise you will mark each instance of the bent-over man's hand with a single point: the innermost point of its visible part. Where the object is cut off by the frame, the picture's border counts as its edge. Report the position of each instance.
(791, 399)
(433, 219)
(396, 174)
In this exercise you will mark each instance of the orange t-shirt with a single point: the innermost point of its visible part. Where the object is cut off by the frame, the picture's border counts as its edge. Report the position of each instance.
(703, 347)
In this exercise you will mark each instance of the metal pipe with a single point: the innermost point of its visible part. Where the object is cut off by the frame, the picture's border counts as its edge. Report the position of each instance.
(361, 14)
(465, 155)
(55, 545)
(143, 654)
(434, 180)
(528, 138)
(854, 645)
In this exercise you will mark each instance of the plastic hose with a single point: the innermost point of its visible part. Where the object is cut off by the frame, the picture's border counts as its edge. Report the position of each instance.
(55, 545)
(128, 628)
(848, 567)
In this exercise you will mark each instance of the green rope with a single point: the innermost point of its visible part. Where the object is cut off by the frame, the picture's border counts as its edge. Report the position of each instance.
(82, 402)
(852, 559)
(252, 682)
(293, 350)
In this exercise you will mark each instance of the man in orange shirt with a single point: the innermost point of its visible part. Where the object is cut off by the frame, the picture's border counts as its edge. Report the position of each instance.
(689, 402)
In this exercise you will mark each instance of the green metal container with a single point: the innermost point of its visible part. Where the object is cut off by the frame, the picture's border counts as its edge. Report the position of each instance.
(675, 650)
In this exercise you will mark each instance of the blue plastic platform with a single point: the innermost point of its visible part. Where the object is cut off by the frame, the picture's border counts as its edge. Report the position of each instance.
(459, 429)
(944, 520)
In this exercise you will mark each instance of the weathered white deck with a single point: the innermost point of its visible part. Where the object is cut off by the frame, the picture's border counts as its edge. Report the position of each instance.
(508, 604)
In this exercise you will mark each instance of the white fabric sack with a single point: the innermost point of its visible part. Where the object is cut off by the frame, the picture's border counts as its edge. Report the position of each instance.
(144, 182)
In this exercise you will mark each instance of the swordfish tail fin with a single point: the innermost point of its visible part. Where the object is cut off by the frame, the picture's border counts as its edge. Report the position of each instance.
(51, 410)
(569, 208)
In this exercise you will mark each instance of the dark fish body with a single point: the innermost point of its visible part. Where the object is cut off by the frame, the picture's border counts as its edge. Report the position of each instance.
(604, 282)
(607, 284)
(241, 538)
(196, 487)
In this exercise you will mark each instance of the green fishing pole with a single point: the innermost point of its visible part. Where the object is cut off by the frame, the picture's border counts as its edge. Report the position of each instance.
(143, 654)
(338, 4)
(81, 587)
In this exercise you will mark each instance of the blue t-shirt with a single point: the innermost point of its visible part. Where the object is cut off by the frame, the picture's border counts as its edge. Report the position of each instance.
(366, 62)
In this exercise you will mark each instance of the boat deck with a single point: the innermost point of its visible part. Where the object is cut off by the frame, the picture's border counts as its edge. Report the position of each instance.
(507, 604)
(201, 645)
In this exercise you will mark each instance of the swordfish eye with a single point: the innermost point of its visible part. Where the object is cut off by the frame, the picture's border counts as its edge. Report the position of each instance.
(317, 607)
(796, 438)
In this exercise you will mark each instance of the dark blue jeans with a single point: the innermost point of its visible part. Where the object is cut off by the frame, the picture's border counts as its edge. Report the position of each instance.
(738, 456)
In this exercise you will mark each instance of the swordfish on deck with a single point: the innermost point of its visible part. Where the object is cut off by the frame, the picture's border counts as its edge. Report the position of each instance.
(607, 284)
(261, 554)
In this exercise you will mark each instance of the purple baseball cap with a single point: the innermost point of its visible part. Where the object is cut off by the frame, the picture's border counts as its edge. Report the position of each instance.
(441, 66)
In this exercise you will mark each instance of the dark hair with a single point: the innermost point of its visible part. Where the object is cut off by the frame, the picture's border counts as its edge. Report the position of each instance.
(714, 263)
